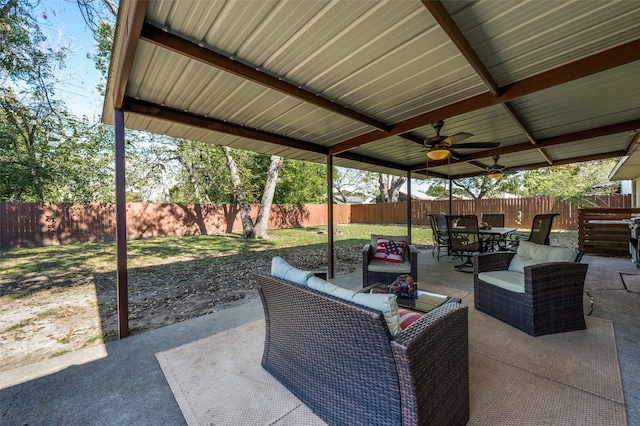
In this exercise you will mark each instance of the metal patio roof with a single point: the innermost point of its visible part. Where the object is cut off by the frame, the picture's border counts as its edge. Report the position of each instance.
(553, 81)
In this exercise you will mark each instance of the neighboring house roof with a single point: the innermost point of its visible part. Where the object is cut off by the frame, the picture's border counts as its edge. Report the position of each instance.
(554, 82)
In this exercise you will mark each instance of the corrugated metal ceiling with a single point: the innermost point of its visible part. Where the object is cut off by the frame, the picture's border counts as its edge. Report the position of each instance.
(402, 63)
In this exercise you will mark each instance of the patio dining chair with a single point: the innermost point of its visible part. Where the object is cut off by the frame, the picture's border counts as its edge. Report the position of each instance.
(464, 239)
(540, 231)
(494, 219)
(438, 224)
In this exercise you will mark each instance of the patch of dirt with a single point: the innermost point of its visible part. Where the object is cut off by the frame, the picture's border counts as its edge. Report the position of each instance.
(43, 315)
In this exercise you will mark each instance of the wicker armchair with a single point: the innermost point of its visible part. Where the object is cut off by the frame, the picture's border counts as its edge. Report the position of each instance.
(375, 271)
(552, 301)
(339, 358)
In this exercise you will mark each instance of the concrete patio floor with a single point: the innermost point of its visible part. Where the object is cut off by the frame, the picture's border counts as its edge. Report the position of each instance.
(121, 382)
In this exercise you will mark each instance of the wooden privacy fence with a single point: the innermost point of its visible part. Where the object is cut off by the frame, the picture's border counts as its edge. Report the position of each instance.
(32, 224)
(605, 231)
(518, 212)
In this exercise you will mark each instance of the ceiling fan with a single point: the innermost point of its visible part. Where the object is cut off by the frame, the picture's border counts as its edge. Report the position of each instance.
(441, 146)
(496, 171)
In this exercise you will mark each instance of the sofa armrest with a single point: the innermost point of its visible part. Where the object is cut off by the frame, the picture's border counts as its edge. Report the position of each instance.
(498, 261)
(432, 360)
(559, 277)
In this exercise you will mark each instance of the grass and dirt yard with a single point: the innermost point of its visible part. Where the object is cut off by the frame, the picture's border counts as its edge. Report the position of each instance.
(57, 299)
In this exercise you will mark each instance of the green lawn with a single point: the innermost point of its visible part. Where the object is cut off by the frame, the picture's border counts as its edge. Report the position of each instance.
(100, 257)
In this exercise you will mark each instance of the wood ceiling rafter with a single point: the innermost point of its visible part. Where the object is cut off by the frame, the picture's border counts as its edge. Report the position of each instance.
(599, 62)
(442, 17)
(135, 21)
(176, 116)
(446, 22)
(174, 43)
(571, 160)
(612, 129)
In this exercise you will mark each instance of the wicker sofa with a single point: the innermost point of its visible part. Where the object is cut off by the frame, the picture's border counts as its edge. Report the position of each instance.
(340, 358)
(538, 289)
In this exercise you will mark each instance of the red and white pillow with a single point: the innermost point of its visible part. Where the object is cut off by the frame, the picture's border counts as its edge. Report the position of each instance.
(408, 317)
(390, 250)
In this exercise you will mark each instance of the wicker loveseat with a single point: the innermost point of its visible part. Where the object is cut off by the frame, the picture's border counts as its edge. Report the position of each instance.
(341, 360)
(538, 290)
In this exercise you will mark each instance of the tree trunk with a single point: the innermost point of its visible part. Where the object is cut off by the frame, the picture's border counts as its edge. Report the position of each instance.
(262, 222)
(390, 187)
(245, 211)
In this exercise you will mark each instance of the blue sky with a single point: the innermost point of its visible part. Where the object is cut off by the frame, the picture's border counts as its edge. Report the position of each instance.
(64, 25)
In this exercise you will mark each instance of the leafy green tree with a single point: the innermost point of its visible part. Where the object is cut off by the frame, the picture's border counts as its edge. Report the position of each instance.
(47, 154)
(202, 177)
(301, 182)
(479, 187)
(569, 183)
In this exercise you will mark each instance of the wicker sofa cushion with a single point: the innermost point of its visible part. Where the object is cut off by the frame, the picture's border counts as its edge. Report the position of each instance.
(329, 288)
(532, 254)
(386, 303)
(396, 268)
(509, 280)
(281, 269)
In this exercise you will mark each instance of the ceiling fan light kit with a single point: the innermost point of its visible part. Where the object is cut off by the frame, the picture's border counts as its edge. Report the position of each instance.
(438, 154)
(496, 175)
(441, 147)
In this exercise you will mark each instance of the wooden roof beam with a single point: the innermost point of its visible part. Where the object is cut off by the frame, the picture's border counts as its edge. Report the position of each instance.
(612, 129)
(174, 43)
(584, 67)
(189, 119)
(149, 109)
(134, 22)
(571, 160)
(440, 14)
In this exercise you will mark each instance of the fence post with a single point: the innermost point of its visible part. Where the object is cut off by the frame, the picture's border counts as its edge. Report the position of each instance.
(3, 227)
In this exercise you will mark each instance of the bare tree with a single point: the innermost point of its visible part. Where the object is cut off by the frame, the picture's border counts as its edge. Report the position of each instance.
(390, 187)
(259, 229)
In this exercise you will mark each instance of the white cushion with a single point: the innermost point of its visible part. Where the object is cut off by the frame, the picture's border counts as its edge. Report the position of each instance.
(330, 288)
(281, 269)
(532, 254)
(396, 268)
(509, 280)
(386, 303)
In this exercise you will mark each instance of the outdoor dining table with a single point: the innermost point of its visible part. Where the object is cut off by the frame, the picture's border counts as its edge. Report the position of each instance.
(494, 235)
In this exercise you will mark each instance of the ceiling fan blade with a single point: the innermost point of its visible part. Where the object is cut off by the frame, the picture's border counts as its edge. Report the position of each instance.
(473, 145)
(458, 137)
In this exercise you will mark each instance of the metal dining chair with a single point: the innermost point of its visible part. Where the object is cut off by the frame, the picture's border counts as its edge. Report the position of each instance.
(464, 239)
(494, 219)
(540, 230)
(440, 235)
